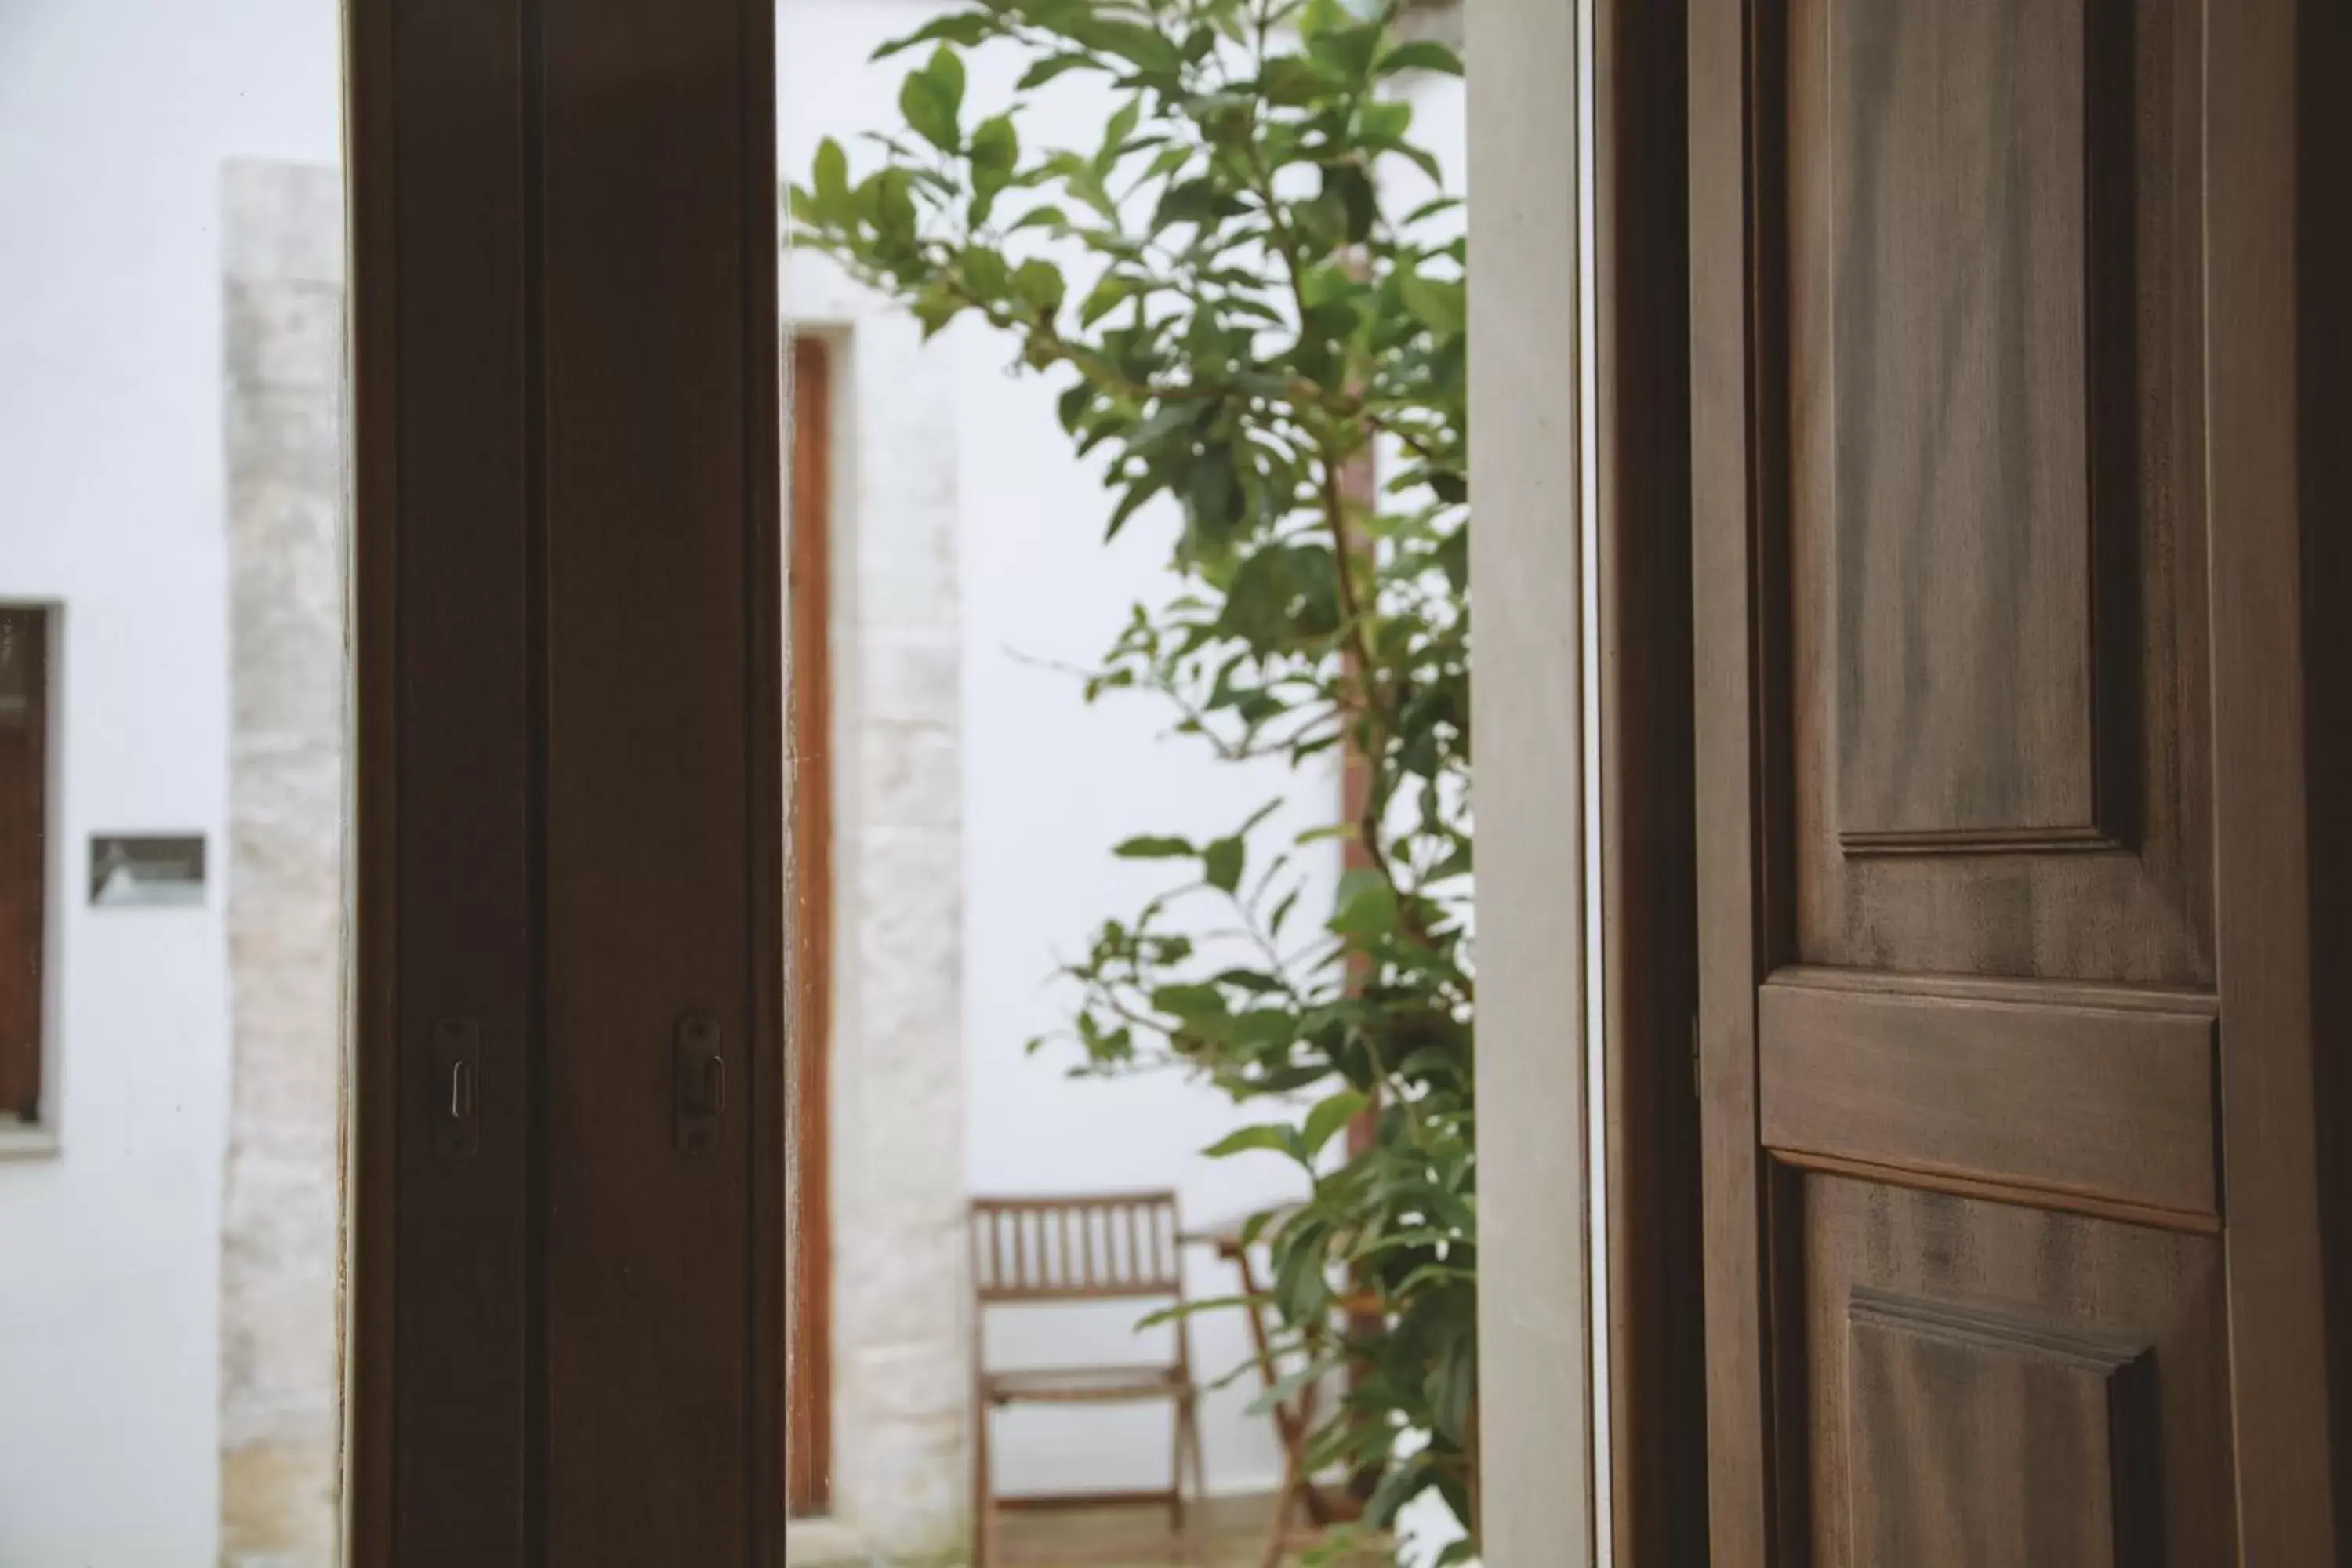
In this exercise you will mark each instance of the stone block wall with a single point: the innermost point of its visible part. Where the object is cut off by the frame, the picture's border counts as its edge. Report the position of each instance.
(282, 237)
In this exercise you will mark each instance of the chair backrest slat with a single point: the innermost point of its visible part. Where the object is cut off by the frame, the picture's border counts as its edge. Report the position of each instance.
(1078, 1248)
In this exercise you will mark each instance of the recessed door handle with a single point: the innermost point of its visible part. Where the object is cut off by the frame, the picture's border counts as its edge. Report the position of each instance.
(456, 1088)
(698, 1083)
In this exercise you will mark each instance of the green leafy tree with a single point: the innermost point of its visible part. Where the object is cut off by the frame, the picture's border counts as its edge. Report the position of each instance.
(1243, 325)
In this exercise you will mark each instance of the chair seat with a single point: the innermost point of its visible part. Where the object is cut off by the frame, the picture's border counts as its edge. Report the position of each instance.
(1082, 1384)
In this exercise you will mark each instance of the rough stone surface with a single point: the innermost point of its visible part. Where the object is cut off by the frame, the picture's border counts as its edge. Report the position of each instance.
(283, 320)
(901, 1345)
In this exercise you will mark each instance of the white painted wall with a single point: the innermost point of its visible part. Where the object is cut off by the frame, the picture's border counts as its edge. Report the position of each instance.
(115, 116)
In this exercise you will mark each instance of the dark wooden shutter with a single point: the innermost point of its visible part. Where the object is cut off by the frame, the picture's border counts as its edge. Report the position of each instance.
(2009, 1044)
(24, 810)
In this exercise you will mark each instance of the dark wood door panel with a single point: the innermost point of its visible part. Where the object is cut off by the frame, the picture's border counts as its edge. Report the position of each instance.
(650, 540)
(2106, 1095)
(1988, 1386)
(1996, 596)
(1960, 153)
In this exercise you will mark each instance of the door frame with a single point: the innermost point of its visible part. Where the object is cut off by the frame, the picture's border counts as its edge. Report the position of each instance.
(1580, 544)
(808, 1447)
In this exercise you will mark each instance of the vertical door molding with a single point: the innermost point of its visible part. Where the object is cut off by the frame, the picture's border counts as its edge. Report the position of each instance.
(444, 771)
(1655, 1326)
(2271, 951)
(1726, 81)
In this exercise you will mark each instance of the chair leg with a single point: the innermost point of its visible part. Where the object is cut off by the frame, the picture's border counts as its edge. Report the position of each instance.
(1176, 1521)
(983, 1491)
(1278, 1536)
(1202, 1544)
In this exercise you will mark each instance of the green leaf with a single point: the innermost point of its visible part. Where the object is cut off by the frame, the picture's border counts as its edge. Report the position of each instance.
(995, 150)
(1437, 304)
(1154, 847)
(1189, 1002)
(1039, 283)
(1111, 291)
(932, 98)
(1399, 1486)
(1329, 1117)
(829, 177)
(892, 203)
(935, 307)
(1146, 48)
(1046, 217)
(966, 28)
(1292, 80)
(1122, 125)
(1073, 403)
(1200, 201)
(1049, 67)
(1277, 1137)
(1221, 864)
(1214, 495)
(1348, 51)
(1384, 121)
(1421, 55)
(1282, 912)
(1137, 496)
(1452, 1386)
(984, 273)
(1352, 189)
(1367, 907)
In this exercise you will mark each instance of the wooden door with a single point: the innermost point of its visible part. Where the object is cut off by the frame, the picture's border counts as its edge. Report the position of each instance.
(808, 1440)
(2013, 1252)
(569, 1150)
(24, 855)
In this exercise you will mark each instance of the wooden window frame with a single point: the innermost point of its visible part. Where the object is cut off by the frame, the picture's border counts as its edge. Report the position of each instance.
(27, 854)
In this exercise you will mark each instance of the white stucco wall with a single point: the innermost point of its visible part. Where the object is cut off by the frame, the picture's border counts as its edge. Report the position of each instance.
(115, 118)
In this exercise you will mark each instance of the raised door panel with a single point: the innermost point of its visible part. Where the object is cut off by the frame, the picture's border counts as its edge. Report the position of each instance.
(1993, 1387)
(1996, 591)
(1962, 429)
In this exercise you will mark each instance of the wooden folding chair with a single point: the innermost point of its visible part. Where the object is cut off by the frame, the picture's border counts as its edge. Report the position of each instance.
(1106, 1246)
